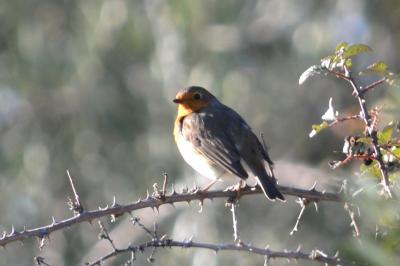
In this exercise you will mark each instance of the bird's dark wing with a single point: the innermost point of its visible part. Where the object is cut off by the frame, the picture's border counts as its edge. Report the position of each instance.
(208, 135)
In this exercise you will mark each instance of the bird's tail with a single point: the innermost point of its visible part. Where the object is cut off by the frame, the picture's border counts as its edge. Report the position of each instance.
(268, 186)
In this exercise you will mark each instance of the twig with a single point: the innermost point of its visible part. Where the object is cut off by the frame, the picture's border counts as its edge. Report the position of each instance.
(164, 188)
(154, 202)
(234, 222)
(303, 203)
(342, 119)
(314, 255)
(350, 209)
(40, 261)
(105, 235)
(76, 205)
(373, 85)
(136, 221)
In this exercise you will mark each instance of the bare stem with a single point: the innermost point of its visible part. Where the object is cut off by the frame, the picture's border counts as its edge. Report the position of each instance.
(314, 255)
(155, 202)
(234, 222)
(76, 205)
(296, 225)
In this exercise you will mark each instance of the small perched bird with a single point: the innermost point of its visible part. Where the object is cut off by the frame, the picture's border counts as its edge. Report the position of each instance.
(217, 142)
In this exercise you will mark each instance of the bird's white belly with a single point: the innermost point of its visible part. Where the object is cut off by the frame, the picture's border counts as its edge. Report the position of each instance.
(199, 162)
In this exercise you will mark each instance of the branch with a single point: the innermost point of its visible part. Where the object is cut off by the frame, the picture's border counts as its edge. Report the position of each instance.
(371, 130)
(358, 92)
(314, 255)
(373, 85)
(117, 210)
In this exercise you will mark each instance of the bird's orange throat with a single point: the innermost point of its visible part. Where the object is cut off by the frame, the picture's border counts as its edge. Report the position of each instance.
(188, 107)
(185, 109)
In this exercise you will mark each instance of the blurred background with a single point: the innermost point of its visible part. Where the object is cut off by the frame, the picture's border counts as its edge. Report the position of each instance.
(87, 86)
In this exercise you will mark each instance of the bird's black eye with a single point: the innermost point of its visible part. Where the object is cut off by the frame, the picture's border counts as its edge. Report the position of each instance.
(197, 96)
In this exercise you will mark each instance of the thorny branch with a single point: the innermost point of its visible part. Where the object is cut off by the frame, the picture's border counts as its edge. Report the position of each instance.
(359, 94)
(154, 202)
(314, 255)
(163, 241)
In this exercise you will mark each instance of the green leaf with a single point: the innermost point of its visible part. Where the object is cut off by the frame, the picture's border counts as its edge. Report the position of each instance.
(318, 128)
(356, 49)
(365, 140)
(340, 46)
(396, 152)
(349, 63)
(385, 135)
(310, 72)
(371, 170)
(379, 67)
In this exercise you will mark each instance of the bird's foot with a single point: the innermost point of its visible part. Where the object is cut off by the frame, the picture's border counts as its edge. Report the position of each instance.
(237, 187)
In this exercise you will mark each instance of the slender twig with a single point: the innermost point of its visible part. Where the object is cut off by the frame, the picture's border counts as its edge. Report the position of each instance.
(342, 119)
(234, 222)
(350, 210)
(40, 261)
(105, 235)
(155, 202)
(136, 221)
(164, 188)
(373, 85)
(303, 203)
(314, 255)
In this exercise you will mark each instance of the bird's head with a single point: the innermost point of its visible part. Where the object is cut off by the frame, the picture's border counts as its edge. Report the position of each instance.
(193, 99)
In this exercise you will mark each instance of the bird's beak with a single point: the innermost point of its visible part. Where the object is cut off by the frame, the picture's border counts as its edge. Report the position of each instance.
(177, 100)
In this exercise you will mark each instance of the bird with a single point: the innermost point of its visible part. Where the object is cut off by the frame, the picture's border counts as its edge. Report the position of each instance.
(217, 142)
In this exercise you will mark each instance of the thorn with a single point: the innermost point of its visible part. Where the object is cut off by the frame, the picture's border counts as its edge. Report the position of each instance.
(201, 206)
(313, 186)
(173, 190)
(53, 221)
(316, 206)
(114, 202)
(336, 254)
(12, 230)
(298, 248)
(147, 194)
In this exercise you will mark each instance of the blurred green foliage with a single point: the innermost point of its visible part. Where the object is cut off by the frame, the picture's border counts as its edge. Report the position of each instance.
(87, 86)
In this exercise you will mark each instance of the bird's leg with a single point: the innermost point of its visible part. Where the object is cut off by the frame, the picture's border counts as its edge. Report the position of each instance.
(209, 185)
